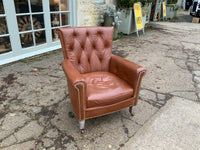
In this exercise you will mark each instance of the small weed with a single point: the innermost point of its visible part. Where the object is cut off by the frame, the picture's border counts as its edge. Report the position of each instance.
(120, 35)
(39, 58)
(23, 60)
(149, 26)
(6, 65)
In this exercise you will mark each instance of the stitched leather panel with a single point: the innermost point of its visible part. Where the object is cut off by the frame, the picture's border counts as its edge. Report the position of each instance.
(104, 88)
(88, 48)
(103, 110)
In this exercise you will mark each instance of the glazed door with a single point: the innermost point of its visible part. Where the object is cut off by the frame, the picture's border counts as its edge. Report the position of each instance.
(28, 26)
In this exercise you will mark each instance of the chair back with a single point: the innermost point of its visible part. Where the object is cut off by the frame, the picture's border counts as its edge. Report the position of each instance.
(88, 48)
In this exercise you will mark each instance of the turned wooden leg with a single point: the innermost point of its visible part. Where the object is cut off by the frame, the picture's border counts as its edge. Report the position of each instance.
(132, 110)
(82, 126)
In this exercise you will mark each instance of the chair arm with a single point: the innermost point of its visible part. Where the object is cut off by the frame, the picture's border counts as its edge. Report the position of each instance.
(128, 71)
(76, 88)
(72, 73)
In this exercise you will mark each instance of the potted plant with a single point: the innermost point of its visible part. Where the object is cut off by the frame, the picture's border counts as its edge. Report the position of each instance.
(112, 18)
(171, 8)
(146, 10)
(127, 25)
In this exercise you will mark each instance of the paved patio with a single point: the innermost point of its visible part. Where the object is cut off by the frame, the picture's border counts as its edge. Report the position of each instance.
(35, 108)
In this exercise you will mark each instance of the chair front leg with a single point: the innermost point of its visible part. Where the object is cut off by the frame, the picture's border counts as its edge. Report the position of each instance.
(82, 126)
(132, 110)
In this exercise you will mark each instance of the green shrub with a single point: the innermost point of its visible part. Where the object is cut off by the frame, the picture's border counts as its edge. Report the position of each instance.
(172, 1)
(173, 6)
(129, 3)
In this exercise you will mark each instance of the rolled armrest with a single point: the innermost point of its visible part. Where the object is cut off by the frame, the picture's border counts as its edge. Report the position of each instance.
(76, 87)
(128, 71)
(72, 73)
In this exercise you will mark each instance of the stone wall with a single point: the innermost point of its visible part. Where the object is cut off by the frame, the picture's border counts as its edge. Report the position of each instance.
(88, 12)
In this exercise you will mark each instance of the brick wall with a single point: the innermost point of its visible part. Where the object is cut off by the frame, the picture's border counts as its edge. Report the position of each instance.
(88, 12)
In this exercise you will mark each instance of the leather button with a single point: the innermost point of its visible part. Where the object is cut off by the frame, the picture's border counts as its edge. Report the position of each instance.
(99, 32)
(82, 46)
(71, 47)
(79, 61)
(100, 59)
(74, 34)
(106, 45)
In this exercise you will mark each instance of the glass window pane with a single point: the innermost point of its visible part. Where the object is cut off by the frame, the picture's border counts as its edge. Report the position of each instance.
(5, 45)
(65, 18)
(36, 6)
(55, 36)
(26, 39)
(1, 7)
(54, 5)
(21, 6)
(24, 23)
(40, 37)
(38, 21)
(64, 5)
(3, 26)
(55, 20)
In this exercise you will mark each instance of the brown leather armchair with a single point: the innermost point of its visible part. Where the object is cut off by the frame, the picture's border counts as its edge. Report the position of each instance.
(99, 83)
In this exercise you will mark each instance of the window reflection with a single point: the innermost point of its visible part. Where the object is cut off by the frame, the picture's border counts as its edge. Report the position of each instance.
(54, 5)
(21, 6)
(36, 6)
(38, 21)
(55, 36)
(40, 37)
(24, 23)
(55, 20)
(5, 45)
(65, 18)
(64, 5)
(26, 39)
(1, 7)
(3, 26)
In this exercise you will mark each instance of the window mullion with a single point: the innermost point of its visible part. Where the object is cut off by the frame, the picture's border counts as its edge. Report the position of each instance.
(70, 14)
(60, 12)
(9, 8)
(31, 19)
(47, 21)
(73, 12)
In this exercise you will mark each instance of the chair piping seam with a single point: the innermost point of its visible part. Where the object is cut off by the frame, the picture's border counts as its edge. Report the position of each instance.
(138, 83)
(79, 98)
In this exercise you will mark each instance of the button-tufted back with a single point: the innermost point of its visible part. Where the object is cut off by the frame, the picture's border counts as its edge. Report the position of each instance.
(88, 48)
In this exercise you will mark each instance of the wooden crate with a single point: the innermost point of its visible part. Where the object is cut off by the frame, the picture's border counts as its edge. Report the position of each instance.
(195, 20)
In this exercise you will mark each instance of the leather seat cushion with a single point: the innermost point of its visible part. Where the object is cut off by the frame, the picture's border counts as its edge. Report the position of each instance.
(104, 88)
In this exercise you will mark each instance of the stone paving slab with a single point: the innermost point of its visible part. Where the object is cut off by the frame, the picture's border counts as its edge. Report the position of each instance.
(175, 126)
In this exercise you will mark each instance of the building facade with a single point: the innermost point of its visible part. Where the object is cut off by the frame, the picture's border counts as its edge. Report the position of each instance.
(27, 27)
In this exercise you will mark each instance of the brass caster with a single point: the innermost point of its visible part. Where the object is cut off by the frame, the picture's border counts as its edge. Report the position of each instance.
(133, 114)
(82, 126)
(132, 110)
(82, 131)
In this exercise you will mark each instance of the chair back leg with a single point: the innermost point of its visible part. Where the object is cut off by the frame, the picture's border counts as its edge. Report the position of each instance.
(82, 126)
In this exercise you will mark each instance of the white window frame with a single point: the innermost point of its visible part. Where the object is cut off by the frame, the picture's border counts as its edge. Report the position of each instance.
(17, 52)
